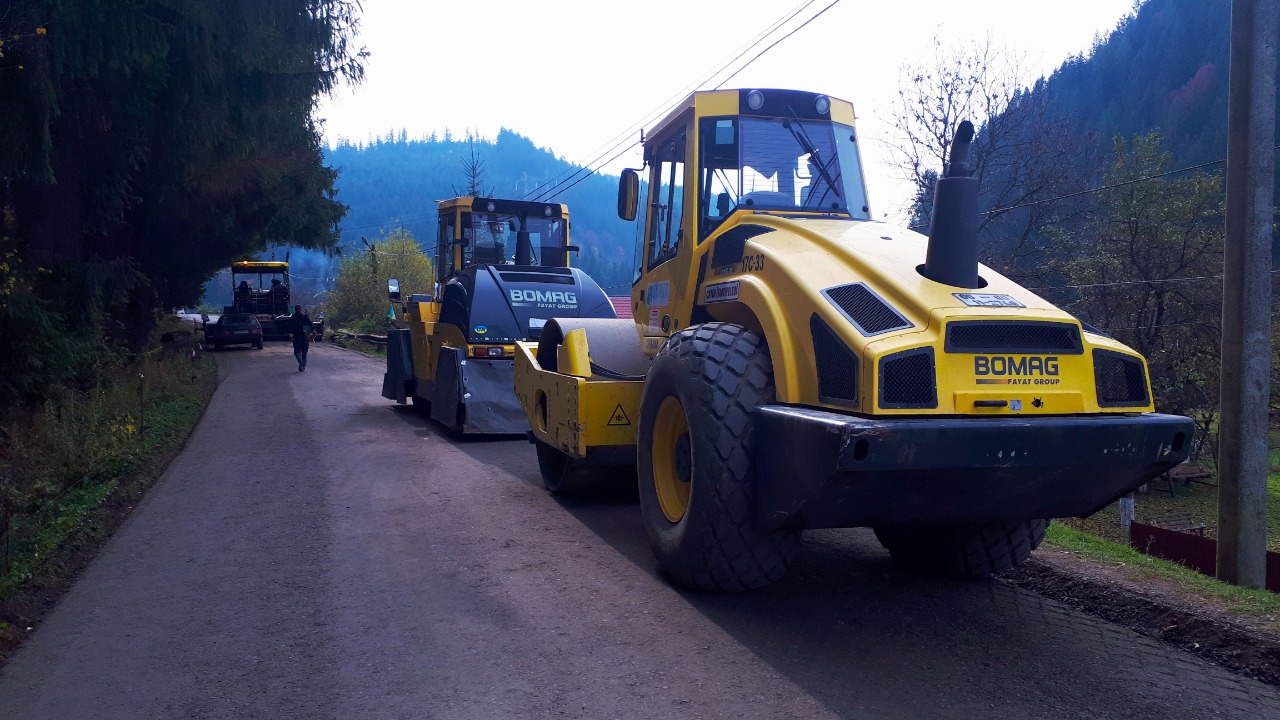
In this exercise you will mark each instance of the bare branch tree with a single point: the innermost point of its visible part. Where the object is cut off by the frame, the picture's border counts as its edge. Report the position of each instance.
(473, 171)
(976, 83)
(1024, 157)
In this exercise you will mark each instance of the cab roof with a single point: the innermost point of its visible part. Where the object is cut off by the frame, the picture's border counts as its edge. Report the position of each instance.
(775, 102)
(504, 205)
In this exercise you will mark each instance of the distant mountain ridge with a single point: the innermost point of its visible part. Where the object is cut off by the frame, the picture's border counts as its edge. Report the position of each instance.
(393, 182)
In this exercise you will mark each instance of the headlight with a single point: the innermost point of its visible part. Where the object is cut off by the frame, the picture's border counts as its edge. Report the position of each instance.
(755, 99)
(822, 104)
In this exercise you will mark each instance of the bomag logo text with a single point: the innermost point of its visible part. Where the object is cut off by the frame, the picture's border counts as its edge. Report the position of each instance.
(1009, 370)
(551, 297)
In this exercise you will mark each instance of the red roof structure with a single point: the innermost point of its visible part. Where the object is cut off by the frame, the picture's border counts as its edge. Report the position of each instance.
(621, 305)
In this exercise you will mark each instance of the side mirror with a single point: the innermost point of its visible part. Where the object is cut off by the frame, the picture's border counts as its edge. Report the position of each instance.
(393, 289)
(628, 194)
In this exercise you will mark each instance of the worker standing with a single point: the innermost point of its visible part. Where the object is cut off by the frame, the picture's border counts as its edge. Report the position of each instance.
(301, 330)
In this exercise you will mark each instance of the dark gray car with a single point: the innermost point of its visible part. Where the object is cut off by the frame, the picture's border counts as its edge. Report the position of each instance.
(233, 329)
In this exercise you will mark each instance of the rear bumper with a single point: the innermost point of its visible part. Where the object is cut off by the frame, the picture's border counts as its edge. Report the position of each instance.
(823, 469)
(237, 339)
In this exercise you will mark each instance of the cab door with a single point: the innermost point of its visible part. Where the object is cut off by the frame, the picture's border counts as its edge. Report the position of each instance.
(664, 284)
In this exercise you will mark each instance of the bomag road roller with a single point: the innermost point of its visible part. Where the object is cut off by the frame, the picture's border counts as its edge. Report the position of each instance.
(794, 364)
(502, 269)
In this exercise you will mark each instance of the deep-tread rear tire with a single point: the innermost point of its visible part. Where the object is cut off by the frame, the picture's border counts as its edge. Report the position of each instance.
(718, 373)
(962, 552)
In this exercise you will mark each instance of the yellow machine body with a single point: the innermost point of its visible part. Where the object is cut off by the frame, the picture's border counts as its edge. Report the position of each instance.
(793, 364)
(502, 267)
(773, 271)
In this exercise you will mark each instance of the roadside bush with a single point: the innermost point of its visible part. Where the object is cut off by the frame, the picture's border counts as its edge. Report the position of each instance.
(72, 452)
(40, 351)
(358, 301)
(58, 324)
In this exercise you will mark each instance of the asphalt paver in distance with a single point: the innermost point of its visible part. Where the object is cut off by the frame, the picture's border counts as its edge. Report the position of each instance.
(317, 552)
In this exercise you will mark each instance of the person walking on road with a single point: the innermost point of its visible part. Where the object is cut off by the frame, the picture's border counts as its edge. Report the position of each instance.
(301, 330)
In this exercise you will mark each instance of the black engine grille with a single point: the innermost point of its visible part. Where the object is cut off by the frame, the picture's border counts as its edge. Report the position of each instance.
(1120, 379)
(1013, 336)
(865, 309)
(837, 365)
(907, 380)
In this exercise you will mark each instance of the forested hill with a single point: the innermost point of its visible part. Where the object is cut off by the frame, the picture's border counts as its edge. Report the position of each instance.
(1164, 67)
(395, 182)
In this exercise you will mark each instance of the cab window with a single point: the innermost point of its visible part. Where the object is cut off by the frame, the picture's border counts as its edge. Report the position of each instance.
(667, 206)
(444, 244)
(718, 146)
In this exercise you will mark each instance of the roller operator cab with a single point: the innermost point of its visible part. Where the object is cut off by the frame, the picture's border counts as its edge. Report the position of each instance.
(794, 364)
(503, 269)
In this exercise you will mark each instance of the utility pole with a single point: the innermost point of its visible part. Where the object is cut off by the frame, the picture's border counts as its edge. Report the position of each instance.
(1246, 300)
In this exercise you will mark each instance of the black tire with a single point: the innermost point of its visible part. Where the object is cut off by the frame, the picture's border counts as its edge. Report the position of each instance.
(962, 552)
(718, 374)
(258, 345)
(561, 474)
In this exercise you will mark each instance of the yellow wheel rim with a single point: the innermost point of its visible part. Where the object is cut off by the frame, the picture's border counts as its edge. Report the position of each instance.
(672, 459)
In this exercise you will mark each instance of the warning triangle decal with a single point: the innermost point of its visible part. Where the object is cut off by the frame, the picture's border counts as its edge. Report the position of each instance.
(619, 417)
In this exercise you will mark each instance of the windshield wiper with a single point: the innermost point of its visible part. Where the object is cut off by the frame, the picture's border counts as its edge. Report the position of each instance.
(798, 132)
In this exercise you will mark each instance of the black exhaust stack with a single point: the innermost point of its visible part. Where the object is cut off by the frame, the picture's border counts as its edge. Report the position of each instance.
(952, 258)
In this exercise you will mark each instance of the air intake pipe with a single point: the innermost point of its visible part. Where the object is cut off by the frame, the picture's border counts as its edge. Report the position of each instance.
(952, 257)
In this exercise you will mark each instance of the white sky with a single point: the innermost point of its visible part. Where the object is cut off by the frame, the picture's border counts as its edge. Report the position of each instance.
(572, 75)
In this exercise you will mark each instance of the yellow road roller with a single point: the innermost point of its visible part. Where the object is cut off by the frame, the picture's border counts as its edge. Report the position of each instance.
(502, 269)
(794, 364)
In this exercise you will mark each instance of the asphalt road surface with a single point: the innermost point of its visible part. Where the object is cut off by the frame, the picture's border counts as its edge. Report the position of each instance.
(317, 552)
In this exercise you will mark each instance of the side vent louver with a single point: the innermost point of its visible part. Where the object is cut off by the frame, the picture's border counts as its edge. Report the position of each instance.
(907, 380)
(837, 365)
(1120, 379)
(865, 309)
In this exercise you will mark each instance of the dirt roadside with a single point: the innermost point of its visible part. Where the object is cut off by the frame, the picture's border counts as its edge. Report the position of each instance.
(1158, 608)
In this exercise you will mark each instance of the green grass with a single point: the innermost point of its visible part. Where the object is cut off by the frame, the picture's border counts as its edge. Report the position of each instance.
(56, 470)
(1092, 547)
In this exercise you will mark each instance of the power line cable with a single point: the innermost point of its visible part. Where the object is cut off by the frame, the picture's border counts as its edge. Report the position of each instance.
(1100, 188)
(784, 37)
(1130, 282)
(554, 190)
(657, 112)
(544, 193)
